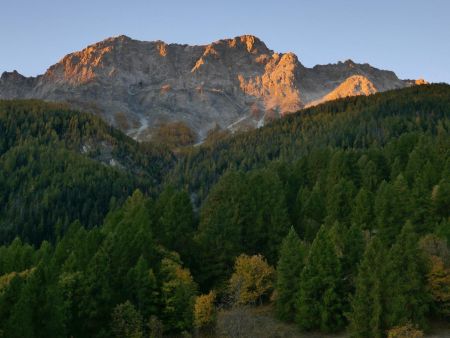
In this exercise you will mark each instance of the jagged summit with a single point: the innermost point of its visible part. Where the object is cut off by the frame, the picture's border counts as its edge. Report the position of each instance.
(231, 83)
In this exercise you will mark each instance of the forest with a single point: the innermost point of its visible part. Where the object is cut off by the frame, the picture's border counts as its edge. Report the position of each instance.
(337, 217)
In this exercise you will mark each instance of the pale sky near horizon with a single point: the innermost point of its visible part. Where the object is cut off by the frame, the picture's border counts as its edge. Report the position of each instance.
(410, 37)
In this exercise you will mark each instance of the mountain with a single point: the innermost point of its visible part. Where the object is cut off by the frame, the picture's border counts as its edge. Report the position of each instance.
(138, 86)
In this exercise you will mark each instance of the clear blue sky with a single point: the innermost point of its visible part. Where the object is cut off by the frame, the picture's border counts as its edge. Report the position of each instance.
(411, 37)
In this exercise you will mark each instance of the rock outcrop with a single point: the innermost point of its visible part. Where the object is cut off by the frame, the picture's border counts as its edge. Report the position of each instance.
(231, 83)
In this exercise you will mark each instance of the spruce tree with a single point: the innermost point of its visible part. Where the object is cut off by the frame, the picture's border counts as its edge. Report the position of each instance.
(339, 202)
(142, 288)
(319, 300)
(176, 222)
(292, 258)
(408, 299)
(362, 209)
(367, 304)
(178, 292)
(40, 310)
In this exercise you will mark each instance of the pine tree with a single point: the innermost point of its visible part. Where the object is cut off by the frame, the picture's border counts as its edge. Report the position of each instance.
(223, 216)
(176, 222)
(362, 209)
(40, 310)
(142, 288)
(392, 208)
(408, 299)
(269, 219)
(126, 321)
(367, 305)
(354, 245)
(319, 300)
(292, 259)
(339, 202)
(314, 211)
(178, 292)
(97, 293)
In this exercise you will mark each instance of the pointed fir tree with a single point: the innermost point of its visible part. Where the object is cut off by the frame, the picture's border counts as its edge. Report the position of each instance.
(290, 265)
(339, 202)
(408, 299)
(142, 288)
(176, 222)
(319, 300)
(367, 304)
(362, 209)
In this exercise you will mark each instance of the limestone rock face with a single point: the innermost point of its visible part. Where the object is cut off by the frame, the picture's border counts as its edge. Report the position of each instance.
(230, 83)
(353, 86)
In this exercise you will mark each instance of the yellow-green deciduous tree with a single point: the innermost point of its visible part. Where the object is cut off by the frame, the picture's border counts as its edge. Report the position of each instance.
(439, 285)
(205, 314)
(252, 279)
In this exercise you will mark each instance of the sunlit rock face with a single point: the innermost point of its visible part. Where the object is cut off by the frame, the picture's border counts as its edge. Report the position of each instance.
(352, 86)
(231, 83)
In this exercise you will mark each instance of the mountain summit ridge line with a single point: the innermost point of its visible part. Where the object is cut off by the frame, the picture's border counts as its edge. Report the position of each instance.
(230, 83)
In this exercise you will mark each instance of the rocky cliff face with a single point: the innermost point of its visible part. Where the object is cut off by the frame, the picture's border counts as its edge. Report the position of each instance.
(232, 83)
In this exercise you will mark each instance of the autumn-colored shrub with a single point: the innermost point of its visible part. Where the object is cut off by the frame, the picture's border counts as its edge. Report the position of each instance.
(405, 331)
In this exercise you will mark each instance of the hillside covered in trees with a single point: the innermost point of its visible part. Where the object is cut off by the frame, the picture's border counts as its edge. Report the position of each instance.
(338, 215)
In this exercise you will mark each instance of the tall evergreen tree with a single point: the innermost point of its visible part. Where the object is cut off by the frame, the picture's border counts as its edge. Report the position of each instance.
(339, 202)
(176, 221)
(142, 288)
(40, 311)
(292, 258)
(224, 214)
(391, 208)
(362, 209)
(319, 300)
(178, 292)
(368, 303)
(408, 299)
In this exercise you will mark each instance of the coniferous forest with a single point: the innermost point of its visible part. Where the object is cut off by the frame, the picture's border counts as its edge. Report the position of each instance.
(337, 217)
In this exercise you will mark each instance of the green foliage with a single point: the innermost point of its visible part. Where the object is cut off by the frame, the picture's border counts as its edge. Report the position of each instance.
(292, 258)
(178, 292)
(126, 321)
(342, 174)
(358, 122)
(243, 213)
(391, 287)
(176, 222)
(142, 288)
(368, 303)
(39, 310)
(407, 269)
(53, 172)
(320, 298)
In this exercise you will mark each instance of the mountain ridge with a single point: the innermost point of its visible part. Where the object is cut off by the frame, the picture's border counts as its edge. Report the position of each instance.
(237, 83)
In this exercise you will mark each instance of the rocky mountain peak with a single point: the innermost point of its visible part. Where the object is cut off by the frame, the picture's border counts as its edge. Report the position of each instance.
(231, 83)
(12, 76)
